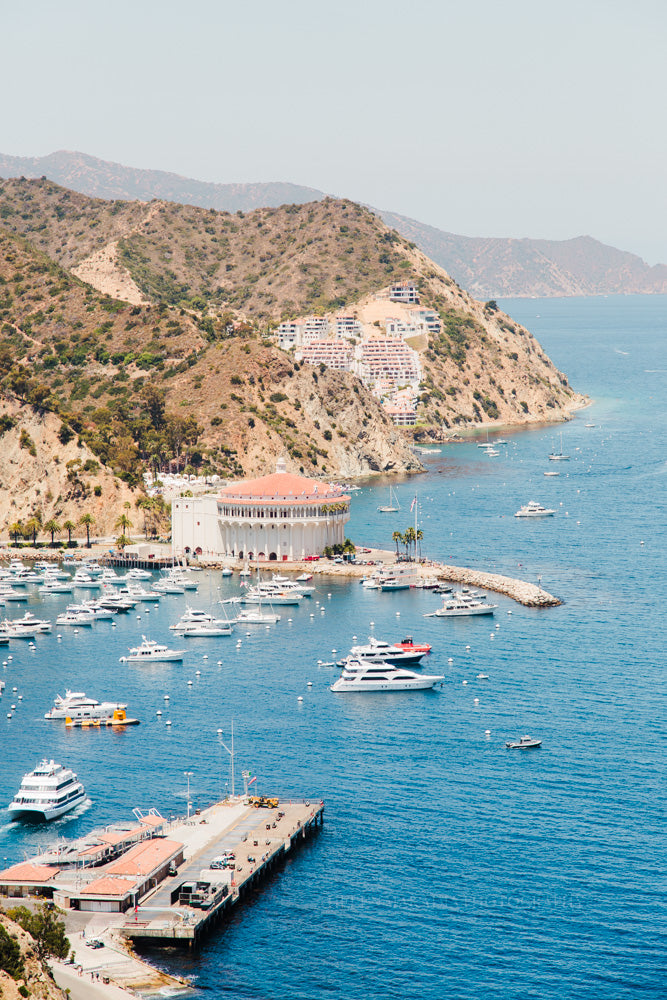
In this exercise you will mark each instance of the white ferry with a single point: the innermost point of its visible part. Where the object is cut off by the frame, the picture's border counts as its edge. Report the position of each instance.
(47, 792)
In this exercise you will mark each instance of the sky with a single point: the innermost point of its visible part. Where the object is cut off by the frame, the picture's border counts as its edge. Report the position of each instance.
(519, 118)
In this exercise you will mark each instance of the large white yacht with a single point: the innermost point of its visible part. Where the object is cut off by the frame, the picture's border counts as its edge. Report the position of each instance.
(534, 509)
(272, 593)
(77, 705)
(75, 618)
(47, 792)
(151, 651)
(377, 649)
(378, 675)
(255, 616)
(30, 623)
(462, 605)
(84, 580)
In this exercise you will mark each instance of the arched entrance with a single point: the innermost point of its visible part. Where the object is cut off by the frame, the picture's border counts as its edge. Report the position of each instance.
(272, 557)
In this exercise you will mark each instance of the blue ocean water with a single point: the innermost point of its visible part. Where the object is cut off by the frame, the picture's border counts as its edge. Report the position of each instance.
(447, 867)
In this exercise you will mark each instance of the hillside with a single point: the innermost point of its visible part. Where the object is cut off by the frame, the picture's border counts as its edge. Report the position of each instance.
(103, 179)
(22, 973)
(511, 268)
(151, 385)
(487, 267)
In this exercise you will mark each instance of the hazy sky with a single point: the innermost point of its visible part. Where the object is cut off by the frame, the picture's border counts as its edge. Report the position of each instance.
(481, 117)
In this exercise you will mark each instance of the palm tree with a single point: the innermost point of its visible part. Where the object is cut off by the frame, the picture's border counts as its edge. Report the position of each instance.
(123, 541)
(53, 528)
(396, 538)
(145, 504)
(32, 527)
(418, 537)
(88, 520)
(69, 527)
(123, 523)
(16, 529)
(409, 538)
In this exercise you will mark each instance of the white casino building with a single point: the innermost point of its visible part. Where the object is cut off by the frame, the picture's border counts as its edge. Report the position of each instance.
(278, 517)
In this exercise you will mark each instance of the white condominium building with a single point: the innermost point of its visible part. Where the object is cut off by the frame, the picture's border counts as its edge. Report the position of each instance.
(346, 327)
(332, 353)
(387, 358)
(405, 291)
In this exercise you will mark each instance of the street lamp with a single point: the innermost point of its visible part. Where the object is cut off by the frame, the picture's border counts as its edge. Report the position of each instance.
(188, 775)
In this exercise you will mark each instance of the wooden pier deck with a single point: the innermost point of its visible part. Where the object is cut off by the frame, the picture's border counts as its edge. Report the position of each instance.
(185, 906)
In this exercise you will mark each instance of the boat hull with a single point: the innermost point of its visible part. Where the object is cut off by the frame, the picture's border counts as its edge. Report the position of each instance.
(414, 684)
(36, 815)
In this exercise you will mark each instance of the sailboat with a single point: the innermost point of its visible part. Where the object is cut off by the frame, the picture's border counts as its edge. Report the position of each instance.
(559, 456)
(393, 506)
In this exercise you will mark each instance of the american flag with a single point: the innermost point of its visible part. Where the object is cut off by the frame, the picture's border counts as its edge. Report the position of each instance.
(412, 505)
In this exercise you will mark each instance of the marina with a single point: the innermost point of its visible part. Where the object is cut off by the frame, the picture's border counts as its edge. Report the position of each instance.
(423, 798)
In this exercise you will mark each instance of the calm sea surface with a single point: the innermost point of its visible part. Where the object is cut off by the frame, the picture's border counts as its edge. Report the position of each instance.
(448, 867)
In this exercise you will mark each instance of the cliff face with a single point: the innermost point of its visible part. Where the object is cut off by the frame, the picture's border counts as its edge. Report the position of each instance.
(30, 978)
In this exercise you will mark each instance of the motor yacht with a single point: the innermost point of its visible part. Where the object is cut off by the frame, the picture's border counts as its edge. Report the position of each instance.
(462, 605)
(91, 608)
(47, 792)
(378, 675)
(269, 593)
(32, 624)
(377, 649)
(370, 583)
(85, 581)
(534, 509)
(75, 618)
(77, 705)
(284, 583)
(8, 630)
(168, 587)
(151, 651)
(56, 586)
(136, 573)
(8, 594)
(135, 592)
(524, 743)
(200, 623)
(114, 602)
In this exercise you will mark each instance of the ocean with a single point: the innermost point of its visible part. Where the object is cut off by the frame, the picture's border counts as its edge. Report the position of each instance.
(448, 866)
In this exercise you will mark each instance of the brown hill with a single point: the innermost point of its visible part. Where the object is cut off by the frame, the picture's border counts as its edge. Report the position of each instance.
(487, 267)
(22, 973)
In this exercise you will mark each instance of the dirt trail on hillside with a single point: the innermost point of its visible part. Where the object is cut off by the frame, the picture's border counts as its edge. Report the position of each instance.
(104, 271)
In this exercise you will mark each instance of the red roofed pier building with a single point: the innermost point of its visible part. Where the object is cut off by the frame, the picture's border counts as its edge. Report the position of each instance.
(277, 517)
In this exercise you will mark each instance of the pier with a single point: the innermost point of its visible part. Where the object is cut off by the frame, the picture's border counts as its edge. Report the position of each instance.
(189, 903)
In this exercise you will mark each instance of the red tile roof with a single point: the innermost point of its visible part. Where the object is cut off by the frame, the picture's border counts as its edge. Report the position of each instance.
(109, 886)
(27, 871)
(144, 858)
(118, 836)
(282, 486)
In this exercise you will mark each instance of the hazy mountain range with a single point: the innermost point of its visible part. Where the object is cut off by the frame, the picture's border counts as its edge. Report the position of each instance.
(486, 267)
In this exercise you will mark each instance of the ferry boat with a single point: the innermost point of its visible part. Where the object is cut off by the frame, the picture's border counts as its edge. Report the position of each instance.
(534, 509)
(378, 675)
(377, 649)
(77, 705)
(462, 605)
(151, 651)
(47, 792)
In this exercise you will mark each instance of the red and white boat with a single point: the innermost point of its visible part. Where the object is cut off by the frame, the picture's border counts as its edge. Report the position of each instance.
(408, 645)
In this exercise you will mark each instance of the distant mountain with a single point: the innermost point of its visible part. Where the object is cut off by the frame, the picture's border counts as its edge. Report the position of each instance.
(497, 268)
(487, 267)
(104, 179)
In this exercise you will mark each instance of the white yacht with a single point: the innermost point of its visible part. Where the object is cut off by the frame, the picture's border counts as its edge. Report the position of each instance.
(85, 580)
(8, 593)
(377, 649)
(91, 608)
(152, 652)
(138, 574)
(75, 618)
(77, 705)
(285, 583)
(30, 623)
(462, 605)
(255, 616)
(370, 583)
(268, 593)
(200, 623)
(52, 585)
(378, 675)
(136, 592)
(47, 792)
(227, 571)
(168, 586)
(115, 602)
(534, 509)
(8, 630)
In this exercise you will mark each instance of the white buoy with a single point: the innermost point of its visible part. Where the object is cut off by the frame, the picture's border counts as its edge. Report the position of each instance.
(354, 638)
(487, 732)
(76, 631)
(509, 612)
(219, 663)
(147, 611)
(189, 683)
(476, 701)
(113, 624)
(299, 698)
(13, 708)
(450, 659)
(464, 683)
(497, 624)
(468, 648)
(219, 732)
(9, 715)
(198, 673)
(20, 697)
(10, 657)
(329, 596)
(159, 711)
(492, 636)
(312, 614)
(204, 657)
(247, 635)
(372, 624)
(168, 722)
(138, 618)
(310, 684)
(166, 697)
(14, 690)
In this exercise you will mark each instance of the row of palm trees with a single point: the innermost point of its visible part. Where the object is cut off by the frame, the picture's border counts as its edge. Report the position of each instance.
(34, 525)
(411, 538)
